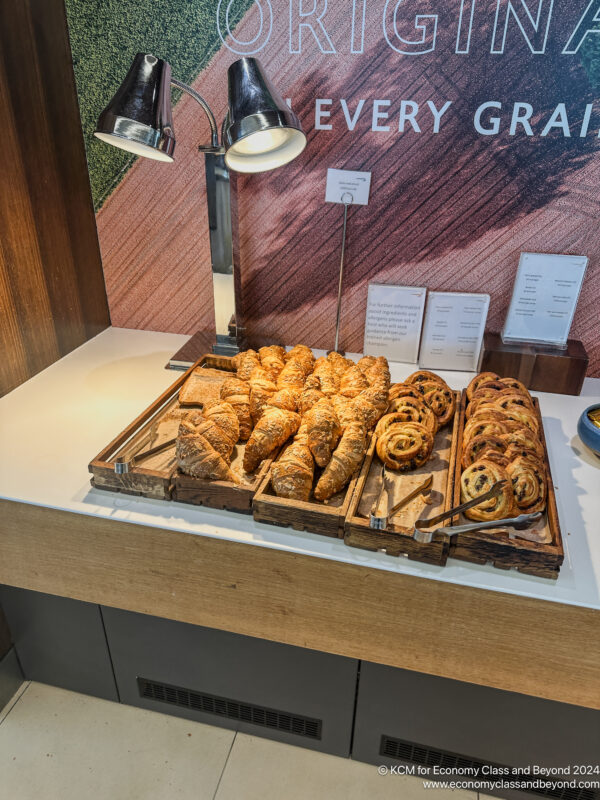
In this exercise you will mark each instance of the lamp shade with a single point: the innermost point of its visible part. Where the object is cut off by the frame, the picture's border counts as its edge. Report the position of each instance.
(139, 118)
(261, 131)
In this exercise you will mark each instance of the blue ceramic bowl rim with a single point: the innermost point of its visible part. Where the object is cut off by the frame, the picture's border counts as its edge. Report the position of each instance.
(587, 422)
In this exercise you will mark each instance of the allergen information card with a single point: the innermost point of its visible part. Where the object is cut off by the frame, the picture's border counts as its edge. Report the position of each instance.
(453, 330)
(393, 323)
(544, 298)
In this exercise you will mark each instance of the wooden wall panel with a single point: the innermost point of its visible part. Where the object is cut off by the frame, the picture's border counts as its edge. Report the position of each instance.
(51, 283)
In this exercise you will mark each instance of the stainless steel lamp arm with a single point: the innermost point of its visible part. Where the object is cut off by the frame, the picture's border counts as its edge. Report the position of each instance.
(199, 99)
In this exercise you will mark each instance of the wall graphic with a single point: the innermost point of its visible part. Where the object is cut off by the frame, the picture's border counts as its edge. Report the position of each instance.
(477, 118)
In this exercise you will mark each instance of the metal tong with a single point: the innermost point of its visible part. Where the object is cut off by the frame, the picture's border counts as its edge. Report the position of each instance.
(521, 522)
(123, 465)
(424, 528)
(378, 521)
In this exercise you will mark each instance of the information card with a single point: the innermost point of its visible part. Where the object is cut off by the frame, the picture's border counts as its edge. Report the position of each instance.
(453, 330)
(394, 319)
(544, 298)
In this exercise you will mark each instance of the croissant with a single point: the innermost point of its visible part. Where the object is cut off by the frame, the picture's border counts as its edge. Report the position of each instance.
(323, 430)
(261, 390)
(311, 394)
(292, 376)
(284, 398)
(330, 382)
(378, 374)
(373, 403)
(292, 474)
(272, 430)
(344, 462)
(237, 394)
(197, 457)
(353, 382)
(339, 363)
(245, 362)
(224, 417)
(272, 359)
(365, 362)
(303, 355)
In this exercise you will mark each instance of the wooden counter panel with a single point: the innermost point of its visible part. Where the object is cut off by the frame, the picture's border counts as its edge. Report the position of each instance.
(504, 641)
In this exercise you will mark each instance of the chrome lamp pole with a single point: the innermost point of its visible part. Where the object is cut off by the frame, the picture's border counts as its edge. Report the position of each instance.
(259, 133)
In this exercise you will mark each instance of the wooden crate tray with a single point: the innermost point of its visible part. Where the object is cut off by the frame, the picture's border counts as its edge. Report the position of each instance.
(397, 539)
(325, 518)
(154, 477)
(502, 549)
(222, 494)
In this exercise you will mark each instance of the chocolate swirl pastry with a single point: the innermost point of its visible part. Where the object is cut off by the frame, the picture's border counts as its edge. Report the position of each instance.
(405, 446)
(409, 409)
(528, 481)
(480, 447)
(477, 480)
(440, 399)
(479, 380)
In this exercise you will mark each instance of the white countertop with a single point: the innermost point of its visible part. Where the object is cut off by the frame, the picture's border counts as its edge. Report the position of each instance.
(54, 424)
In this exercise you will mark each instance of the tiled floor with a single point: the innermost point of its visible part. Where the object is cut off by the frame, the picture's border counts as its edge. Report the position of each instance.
(60, 745)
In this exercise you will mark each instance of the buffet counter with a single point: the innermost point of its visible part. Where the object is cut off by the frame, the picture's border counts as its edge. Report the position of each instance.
(223, 570)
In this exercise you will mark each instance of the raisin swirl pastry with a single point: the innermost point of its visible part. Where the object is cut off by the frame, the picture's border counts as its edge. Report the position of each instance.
(492, 424)
(440, 399)
(403, 390)
(477, 480)
(480, 447)
(409, 409)
(523, 439)
(423, 375)
(528, 482)
(405, 446)
(515, 385)
(479, 380)
(512, 399)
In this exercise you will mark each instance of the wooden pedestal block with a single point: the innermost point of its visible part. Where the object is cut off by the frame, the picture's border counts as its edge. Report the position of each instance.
(541, 369)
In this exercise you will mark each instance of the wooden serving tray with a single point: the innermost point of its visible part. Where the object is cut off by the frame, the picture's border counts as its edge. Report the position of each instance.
(222, 494)
(153, 477)
(397, 540)
(498, 547)
(324, 518)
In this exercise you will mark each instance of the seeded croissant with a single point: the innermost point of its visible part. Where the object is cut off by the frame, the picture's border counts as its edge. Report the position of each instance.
(237, 394)
(272, 430)
(292, 474)
(197, 457)
(323, 430)
(344, 462)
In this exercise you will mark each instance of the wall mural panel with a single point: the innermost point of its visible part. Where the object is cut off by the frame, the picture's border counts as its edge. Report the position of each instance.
(477, 118)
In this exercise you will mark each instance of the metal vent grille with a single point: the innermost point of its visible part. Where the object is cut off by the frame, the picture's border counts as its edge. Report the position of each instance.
(430, 757)
(232, 709)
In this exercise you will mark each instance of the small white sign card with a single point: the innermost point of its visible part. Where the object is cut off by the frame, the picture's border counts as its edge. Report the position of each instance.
(394, 320)
(348, 186)
(453, 330)
(544, 298)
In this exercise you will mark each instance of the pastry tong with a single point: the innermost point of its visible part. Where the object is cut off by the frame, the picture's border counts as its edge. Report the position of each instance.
(424, 528)
(123, 465)
(378, 521)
